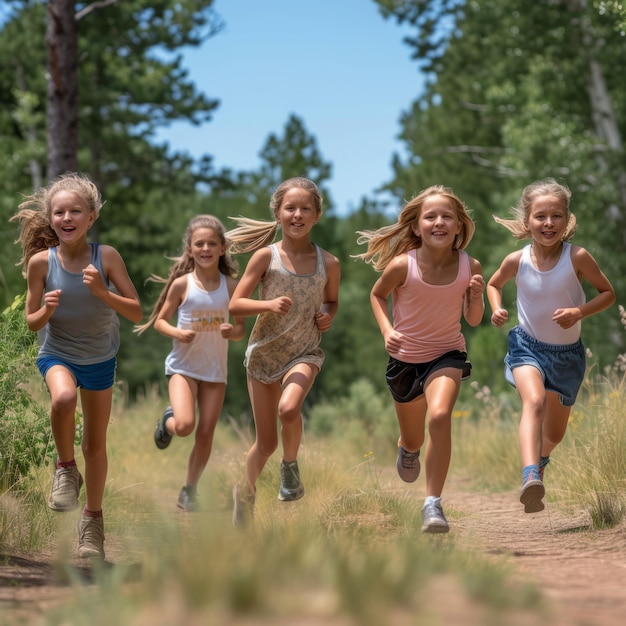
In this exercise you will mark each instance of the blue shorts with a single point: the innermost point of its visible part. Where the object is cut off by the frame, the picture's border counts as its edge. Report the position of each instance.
(96, 377)
(562, 367)
(406, 380)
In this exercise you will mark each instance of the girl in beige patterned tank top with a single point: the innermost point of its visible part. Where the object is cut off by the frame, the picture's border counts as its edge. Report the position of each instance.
(298, 294)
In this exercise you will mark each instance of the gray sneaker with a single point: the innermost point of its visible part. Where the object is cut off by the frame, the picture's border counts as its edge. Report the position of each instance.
(408, 465)
(188, 499)
(91, 537)
(66, 486)
(162, 438)
(433, 519)
(291, 487)
(243, 507)
(531, 495)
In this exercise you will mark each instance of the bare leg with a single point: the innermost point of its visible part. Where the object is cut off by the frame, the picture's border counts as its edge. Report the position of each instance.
(96, 414)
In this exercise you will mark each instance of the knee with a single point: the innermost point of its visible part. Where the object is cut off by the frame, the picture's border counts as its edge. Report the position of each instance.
(64, 402)
(289, 414)
(267, 447)
(183, 430)
(93, 450)
(439, 422)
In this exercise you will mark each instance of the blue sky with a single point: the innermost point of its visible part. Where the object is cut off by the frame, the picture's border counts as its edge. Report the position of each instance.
(337, 64)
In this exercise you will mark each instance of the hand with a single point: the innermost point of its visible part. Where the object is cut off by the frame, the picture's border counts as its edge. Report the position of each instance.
(323, 321)
(280, 305)
(566, 318)
(185, 335)
(476, 287)
(51, 300)
(226, 330)
(393, 340)
(499, 317)
(93, 280)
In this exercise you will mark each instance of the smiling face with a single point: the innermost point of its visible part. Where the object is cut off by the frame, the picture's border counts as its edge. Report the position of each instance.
(206, 248)
(547, 220)
(70, 217)
(297, 212)
(438, 223)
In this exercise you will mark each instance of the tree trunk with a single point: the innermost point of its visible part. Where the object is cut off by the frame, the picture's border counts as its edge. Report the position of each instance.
(62, 103)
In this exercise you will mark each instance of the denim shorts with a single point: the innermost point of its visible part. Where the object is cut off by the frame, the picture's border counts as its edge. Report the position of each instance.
(406, 380)
(562, 367)
(96, 377)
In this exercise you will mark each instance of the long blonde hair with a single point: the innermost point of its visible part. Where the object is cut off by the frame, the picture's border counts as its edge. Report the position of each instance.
(251, 235)
(33, 213)
(386, 243)
(184, 264)
(547, 187)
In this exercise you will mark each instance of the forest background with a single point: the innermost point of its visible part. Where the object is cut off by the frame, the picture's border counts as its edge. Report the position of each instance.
(514, 91)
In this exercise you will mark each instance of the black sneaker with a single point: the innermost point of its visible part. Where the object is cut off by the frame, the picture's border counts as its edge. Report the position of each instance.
(188, 499)
(161, 437)
(291, 487)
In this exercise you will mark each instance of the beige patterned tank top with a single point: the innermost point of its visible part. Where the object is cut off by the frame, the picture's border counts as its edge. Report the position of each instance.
(278, 342)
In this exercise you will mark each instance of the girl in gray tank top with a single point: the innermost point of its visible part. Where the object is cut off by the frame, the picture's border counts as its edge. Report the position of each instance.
(298, 285)
(75, 291)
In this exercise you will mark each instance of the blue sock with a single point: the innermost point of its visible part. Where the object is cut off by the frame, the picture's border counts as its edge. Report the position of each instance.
(530, 472)
(543, 461)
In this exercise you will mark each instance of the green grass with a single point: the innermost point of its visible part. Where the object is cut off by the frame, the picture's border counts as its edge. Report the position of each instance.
(350, 552)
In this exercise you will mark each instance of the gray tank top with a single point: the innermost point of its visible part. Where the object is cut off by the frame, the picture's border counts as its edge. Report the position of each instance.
(83, 330)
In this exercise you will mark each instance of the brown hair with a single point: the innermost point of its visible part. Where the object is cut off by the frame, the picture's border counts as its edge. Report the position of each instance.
(184, 264)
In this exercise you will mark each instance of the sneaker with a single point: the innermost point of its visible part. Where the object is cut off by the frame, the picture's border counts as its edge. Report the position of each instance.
(243, 507)
(408, 465)
(66, 486)
(291, 488)
(531, 495)
(188, 499)
(433, 519)
(161, 437)
(91, 537)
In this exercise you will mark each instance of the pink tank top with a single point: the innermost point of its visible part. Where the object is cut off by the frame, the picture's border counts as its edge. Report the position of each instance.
(429, 316)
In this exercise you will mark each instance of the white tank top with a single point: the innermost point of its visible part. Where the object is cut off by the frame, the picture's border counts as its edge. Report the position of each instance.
(206, 357)
(540, 294)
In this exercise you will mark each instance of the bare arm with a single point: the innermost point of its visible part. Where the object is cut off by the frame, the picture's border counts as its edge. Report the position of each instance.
(126, 301)
(242, 304)
(38, 314)
(393, 276)
(328, 310)
(474, 301)
(173, 298)
(506, 271)
(236, 330)
(587, 268)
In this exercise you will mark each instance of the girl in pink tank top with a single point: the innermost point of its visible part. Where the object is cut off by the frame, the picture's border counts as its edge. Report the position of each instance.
(432, 283)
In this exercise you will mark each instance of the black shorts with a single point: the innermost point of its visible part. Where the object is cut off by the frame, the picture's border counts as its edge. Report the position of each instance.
(406, 380)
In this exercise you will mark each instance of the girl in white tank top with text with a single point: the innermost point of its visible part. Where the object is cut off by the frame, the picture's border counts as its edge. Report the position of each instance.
(198, 291)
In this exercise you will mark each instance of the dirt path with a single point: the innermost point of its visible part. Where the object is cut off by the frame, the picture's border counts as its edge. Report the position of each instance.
(581, 572)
